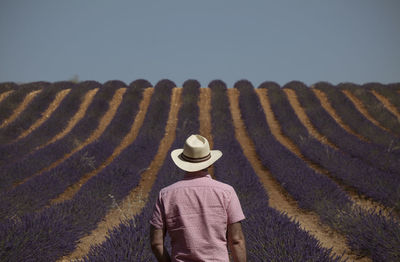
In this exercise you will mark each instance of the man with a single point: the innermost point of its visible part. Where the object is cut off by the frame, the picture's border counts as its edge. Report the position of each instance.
(201, 215)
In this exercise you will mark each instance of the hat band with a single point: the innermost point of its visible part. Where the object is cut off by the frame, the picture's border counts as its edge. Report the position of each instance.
(196, 160)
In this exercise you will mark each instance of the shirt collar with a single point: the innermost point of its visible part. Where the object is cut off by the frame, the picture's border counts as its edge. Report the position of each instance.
(197, 174)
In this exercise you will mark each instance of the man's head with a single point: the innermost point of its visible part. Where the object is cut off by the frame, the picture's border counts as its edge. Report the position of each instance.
(195, 154)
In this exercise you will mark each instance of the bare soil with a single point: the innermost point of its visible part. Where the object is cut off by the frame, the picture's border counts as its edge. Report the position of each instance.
(389, 106)
(136, 200)
(358, 199)
(46, 114)
(104, 122)
(75, 119)
(276, 129)
(126, 141)
(28, 98)
(363, 110)
(204, 105)
(279, 199)
(4, 95)
(331, 111)
(302, 115)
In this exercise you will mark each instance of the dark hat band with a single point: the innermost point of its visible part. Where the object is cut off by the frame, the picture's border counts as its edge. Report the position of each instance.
(195, 160)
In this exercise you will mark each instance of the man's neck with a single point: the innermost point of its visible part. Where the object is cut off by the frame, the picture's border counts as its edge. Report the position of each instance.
(190, 175)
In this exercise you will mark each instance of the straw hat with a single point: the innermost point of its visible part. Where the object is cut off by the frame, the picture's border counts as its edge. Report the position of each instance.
(195, 154)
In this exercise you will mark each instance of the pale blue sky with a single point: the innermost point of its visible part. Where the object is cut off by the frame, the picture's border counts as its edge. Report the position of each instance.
(309, 41)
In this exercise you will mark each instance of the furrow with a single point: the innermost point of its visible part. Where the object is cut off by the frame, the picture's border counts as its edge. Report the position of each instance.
(360, 200)
(103, 123)
(55, 124)
(52, 107)
(127, 140)
(133, 234)
(327, 106)
(389, 106)
(279, 199)
(204, 105)
(4, 95)
(294, 102)
(137, 198)
(75, 119)
(20, 108)
(361, 108)
(277, 132)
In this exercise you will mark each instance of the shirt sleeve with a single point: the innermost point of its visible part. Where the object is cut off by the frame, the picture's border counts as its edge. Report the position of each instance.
(158, 216)
(234, 211)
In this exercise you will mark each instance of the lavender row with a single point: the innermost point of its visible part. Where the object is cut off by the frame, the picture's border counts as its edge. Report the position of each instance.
(7, 86)
(372, 154)
(50, 128)
(318, 190)
(276, 237)
(353, 118)
(130, 240)
(33, 112)
(390, 92)
(9, 104)
(42, 158)
(38, 191)
(367, 233)
(374, 107)
(372, 182)
(55, 231)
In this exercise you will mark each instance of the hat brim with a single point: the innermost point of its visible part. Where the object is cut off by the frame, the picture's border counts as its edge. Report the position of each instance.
(193, 167)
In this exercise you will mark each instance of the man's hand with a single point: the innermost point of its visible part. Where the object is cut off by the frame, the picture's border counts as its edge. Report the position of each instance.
(157, 244)
(236, 242)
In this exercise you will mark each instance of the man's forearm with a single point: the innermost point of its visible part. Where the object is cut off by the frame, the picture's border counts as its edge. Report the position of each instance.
(238, 251)
(161, 253)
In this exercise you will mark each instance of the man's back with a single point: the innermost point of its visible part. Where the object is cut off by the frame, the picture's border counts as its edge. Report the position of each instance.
(196, 212)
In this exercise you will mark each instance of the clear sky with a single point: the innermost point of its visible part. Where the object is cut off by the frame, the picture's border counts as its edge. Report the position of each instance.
(321, 40)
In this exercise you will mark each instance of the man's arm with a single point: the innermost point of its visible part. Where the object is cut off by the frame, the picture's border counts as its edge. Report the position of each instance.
(236, 242)
(157, 244)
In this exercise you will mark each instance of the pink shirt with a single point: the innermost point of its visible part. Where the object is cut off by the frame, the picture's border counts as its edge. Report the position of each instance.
(196, 212)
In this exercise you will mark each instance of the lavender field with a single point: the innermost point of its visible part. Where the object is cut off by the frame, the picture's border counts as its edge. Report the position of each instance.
(316, 168)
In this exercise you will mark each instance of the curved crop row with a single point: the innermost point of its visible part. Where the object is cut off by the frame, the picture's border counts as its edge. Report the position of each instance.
(33, 112)
(6, 89)
(130, 240)
(30, 230)
(376, 109)
(391, 92)
(324, 123)
(387, 104)
(369, 181)
(38, 191)
(54, 232)
(40, 159)
(367, 233)
(9, 104)
(54, 125)
(317, 191)
(275, 237)
(347, 111)
(7, 86)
